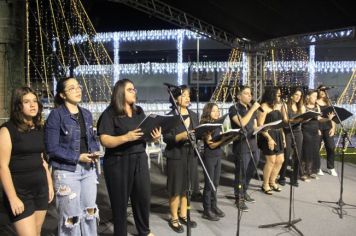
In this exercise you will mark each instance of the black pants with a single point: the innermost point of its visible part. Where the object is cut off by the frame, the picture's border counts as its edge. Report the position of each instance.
(213, 167)
(298, 135)
(311, 158)
(127, 177)
(247, 169)
(329, 144)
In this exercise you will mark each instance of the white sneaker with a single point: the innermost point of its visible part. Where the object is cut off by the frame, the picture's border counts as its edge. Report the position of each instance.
(332, 172)
(320, 172)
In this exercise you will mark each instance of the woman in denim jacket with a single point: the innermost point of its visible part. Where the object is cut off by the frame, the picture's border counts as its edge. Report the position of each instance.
(73, 152)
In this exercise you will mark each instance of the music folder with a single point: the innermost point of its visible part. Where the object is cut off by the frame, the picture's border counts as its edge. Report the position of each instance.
(272, 125)
(231, 133)
(152, 121)
(307, 115)
(200, 130)
(341, 112)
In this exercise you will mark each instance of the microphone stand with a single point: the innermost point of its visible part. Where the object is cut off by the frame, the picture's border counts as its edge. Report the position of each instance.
(239, 177)
(290, 223)
(191, 139)
(340, 203)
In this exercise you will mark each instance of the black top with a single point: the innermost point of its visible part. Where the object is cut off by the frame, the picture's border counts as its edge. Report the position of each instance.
(295, 126)
(173, 149)
(324, 125)
(83, 136)
(311, 126)
(112, 124)
(26, 149)
(240, 145)
(213, 153)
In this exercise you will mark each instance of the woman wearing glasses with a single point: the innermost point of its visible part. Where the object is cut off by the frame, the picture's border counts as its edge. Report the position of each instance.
(125, 161)
(72, 148)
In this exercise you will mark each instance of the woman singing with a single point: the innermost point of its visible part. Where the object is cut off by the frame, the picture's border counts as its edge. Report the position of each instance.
(24, 174)
(73, 150)
(125, 161)
(178, 151)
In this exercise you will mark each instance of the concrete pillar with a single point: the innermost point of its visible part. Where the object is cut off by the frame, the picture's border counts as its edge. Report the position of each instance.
(12, 29)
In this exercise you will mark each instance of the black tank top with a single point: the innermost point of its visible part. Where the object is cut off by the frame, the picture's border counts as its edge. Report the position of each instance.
(26, 149)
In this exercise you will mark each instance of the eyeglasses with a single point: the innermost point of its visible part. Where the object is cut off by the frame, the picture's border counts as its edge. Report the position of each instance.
(74, 89)
(131, 90)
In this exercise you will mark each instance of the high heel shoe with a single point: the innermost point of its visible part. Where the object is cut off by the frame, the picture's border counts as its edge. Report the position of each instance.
(266, 191)
(175, 225)
(275, 187)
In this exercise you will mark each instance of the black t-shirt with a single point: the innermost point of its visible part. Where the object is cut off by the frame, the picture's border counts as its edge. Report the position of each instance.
(213, 153)
(114, 125)
(26, 149)
(240, 145)
(83, 135)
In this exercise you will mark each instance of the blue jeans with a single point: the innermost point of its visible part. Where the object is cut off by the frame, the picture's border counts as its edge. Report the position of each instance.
(75, 200)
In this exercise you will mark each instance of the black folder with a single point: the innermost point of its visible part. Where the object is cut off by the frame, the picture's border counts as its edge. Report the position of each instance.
(200, 130)
(152, 121)
(307, 115)
(229, 133)
(272, 125)
(342, 113)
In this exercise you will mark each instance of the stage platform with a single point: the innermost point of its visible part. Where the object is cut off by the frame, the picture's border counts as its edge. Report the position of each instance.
(317, 218)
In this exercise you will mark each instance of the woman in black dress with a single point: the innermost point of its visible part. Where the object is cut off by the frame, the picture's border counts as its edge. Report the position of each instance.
(125, 161)
(271, 142)
(24, 174)
(327, 130)
(291, 109)
(178, 151)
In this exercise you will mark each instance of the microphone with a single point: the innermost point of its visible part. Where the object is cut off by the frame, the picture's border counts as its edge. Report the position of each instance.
(260, 108)
(170, 85)
(323, 88)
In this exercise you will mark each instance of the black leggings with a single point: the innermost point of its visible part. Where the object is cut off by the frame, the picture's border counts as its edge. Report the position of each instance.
(329, 144)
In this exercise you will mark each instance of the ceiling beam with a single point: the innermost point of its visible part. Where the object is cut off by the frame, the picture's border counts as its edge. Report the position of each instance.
(184, 20)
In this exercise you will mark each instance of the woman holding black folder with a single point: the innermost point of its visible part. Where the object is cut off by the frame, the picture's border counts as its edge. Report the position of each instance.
(271, 142)
(311, 138)
(125, 161)
(327, 133)
(291, 109)
(212, 160)
(178, 151)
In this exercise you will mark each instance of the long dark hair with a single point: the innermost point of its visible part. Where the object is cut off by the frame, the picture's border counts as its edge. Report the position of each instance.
(269, 96)
(301, 100)
(16, 113)
(205, 117)
(320, 89)
(118, 97)
(61, 85)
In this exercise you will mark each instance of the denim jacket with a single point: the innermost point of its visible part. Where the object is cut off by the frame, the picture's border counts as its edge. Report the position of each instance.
(62, 138)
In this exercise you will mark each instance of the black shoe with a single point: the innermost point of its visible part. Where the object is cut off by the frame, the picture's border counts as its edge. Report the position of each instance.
(176, 226)
(209, 215)
(295, 184)
(282, 182)
(242, 206)
(196, 197)
(183, 220)
(249, 199)
(218, 212)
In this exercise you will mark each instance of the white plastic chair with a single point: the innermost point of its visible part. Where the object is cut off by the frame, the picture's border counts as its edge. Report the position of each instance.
(155, 148)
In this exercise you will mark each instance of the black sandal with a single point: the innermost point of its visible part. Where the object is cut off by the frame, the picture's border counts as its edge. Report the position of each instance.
(184, 221)
(275, 187)
(175, 225)
(266, 191)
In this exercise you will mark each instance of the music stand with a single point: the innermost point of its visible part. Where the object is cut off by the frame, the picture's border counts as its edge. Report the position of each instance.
(340, 203)
(290, 223)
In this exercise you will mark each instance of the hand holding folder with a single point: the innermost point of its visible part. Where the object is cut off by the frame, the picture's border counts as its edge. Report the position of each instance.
(272, 125)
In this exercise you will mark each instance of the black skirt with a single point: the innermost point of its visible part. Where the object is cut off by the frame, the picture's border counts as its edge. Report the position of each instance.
(177, 181)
